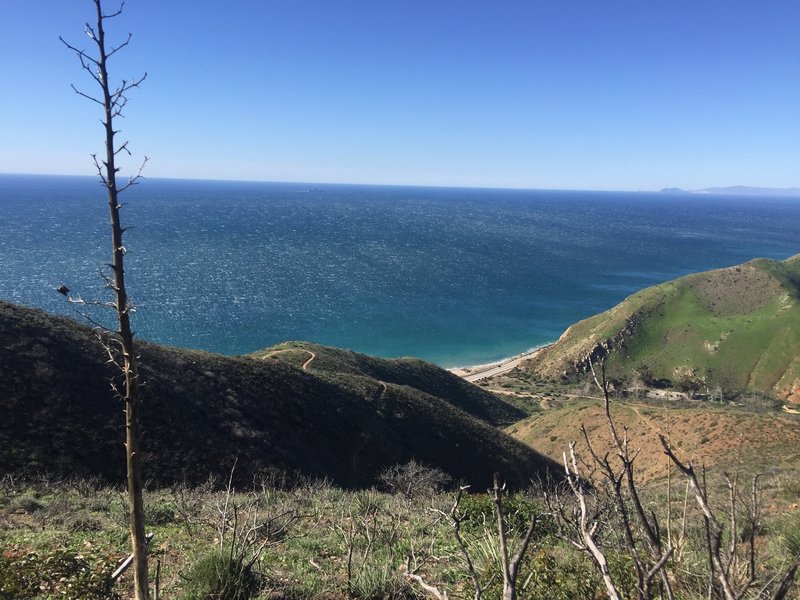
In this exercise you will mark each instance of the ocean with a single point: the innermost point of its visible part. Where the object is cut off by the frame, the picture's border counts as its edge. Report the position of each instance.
(454, 276)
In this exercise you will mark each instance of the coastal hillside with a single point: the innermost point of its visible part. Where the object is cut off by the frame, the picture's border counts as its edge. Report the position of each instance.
(296, 408)
(726, 330)
(350, 369)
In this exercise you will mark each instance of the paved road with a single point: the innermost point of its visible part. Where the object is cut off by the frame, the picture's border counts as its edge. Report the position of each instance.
(479, 372)
(492, 370)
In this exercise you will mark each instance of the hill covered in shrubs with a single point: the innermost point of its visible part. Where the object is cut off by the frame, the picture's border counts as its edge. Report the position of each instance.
(344, 416)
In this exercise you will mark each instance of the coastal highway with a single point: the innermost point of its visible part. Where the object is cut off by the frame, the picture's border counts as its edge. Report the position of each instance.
(479, 372)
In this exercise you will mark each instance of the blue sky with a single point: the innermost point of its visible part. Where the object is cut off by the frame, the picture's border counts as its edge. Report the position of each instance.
(620, 95)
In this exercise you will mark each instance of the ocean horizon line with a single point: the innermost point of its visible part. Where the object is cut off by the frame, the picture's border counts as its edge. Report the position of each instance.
(145, 178)
(454, 276)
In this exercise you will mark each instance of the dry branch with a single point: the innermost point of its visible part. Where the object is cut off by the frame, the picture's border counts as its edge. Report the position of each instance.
(113, 103)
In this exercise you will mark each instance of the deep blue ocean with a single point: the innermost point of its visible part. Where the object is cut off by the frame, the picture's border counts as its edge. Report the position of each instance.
(455, 276)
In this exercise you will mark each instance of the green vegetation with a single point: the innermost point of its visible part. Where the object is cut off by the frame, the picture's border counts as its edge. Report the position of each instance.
(721, 331)
(408, 372)
(346, 465)
(315, 541)
(56, 572)
(220, 574)
(202, 411)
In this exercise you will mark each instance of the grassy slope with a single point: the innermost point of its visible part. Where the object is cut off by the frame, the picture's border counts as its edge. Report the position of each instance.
(737, 328)
(201, 411)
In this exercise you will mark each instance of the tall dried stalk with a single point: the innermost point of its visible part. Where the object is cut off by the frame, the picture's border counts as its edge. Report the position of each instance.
(113, 102)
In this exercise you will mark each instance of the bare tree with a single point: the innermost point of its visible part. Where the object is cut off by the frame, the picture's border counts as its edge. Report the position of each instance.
(586, 522)
(614, 504)
(641, 533)
(457, 518)
(413, 480)
(121, 347)
(732, 574)
(652, 562)
(509, 565)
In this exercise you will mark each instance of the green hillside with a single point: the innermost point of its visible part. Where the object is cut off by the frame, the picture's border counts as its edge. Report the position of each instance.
(733, 329)
(345, 417)
(348, 367)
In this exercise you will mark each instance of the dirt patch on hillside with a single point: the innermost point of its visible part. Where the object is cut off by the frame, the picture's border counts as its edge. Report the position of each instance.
(736, 290)
(724, 438)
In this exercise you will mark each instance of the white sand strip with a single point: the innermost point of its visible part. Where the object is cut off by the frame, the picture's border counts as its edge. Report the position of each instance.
(478, 372)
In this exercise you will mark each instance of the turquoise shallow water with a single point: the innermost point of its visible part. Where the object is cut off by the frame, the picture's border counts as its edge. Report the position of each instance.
(455, 276)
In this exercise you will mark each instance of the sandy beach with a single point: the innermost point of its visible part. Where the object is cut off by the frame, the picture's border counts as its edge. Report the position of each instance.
(478, 372)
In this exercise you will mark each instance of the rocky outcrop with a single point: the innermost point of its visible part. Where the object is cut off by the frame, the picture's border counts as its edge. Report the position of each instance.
(602, 348)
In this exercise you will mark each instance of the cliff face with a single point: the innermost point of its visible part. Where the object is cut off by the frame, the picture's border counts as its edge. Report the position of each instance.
(201, 412)
(734, 329)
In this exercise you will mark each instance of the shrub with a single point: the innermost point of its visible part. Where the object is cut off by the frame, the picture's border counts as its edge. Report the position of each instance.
(159, 512)
(25, 504)
(790, 539)
(380, 582)
(221, 575)
(83, 522)
(790, 487)
(59, 572)
(414, 480)
(558, 577)
(518, 510)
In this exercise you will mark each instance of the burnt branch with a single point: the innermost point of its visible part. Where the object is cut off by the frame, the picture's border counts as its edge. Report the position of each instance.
(114, 14)
(509, 565)
(625, 496)
(85, 95)
(116, 49)
(587, 527)
(786, 581)
(84, 58)
(412, 575)
(713, 528)
(456, 519)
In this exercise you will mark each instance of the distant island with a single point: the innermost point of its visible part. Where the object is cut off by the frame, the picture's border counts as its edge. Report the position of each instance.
(738, 190)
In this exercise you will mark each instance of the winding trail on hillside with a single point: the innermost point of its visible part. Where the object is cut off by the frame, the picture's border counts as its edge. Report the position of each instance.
(652, 425)
(311, 355)
(378, 404)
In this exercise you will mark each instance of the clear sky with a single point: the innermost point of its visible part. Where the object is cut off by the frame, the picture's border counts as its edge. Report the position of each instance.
(574, 94)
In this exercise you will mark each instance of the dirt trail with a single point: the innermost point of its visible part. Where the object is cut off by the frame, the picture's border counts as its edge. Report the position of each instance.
(311, 355)
(645, 420)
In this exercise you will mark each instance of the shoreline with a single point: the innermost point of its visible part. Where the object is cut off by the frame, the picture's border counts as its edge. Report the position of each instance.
(474, 373)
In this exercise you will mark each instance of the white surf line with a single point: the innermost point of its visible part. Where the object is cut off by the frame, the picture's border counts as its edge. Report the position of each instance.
(478, 372)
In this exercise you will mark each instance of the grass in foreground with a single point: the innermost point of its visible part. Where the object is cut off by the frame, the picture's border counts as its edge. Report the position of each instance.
(314, 541)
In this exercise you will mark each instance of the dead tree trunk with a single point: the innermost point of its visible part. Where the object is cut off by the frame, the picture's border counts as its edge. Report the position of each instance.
(509, 565)
(113, 102)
